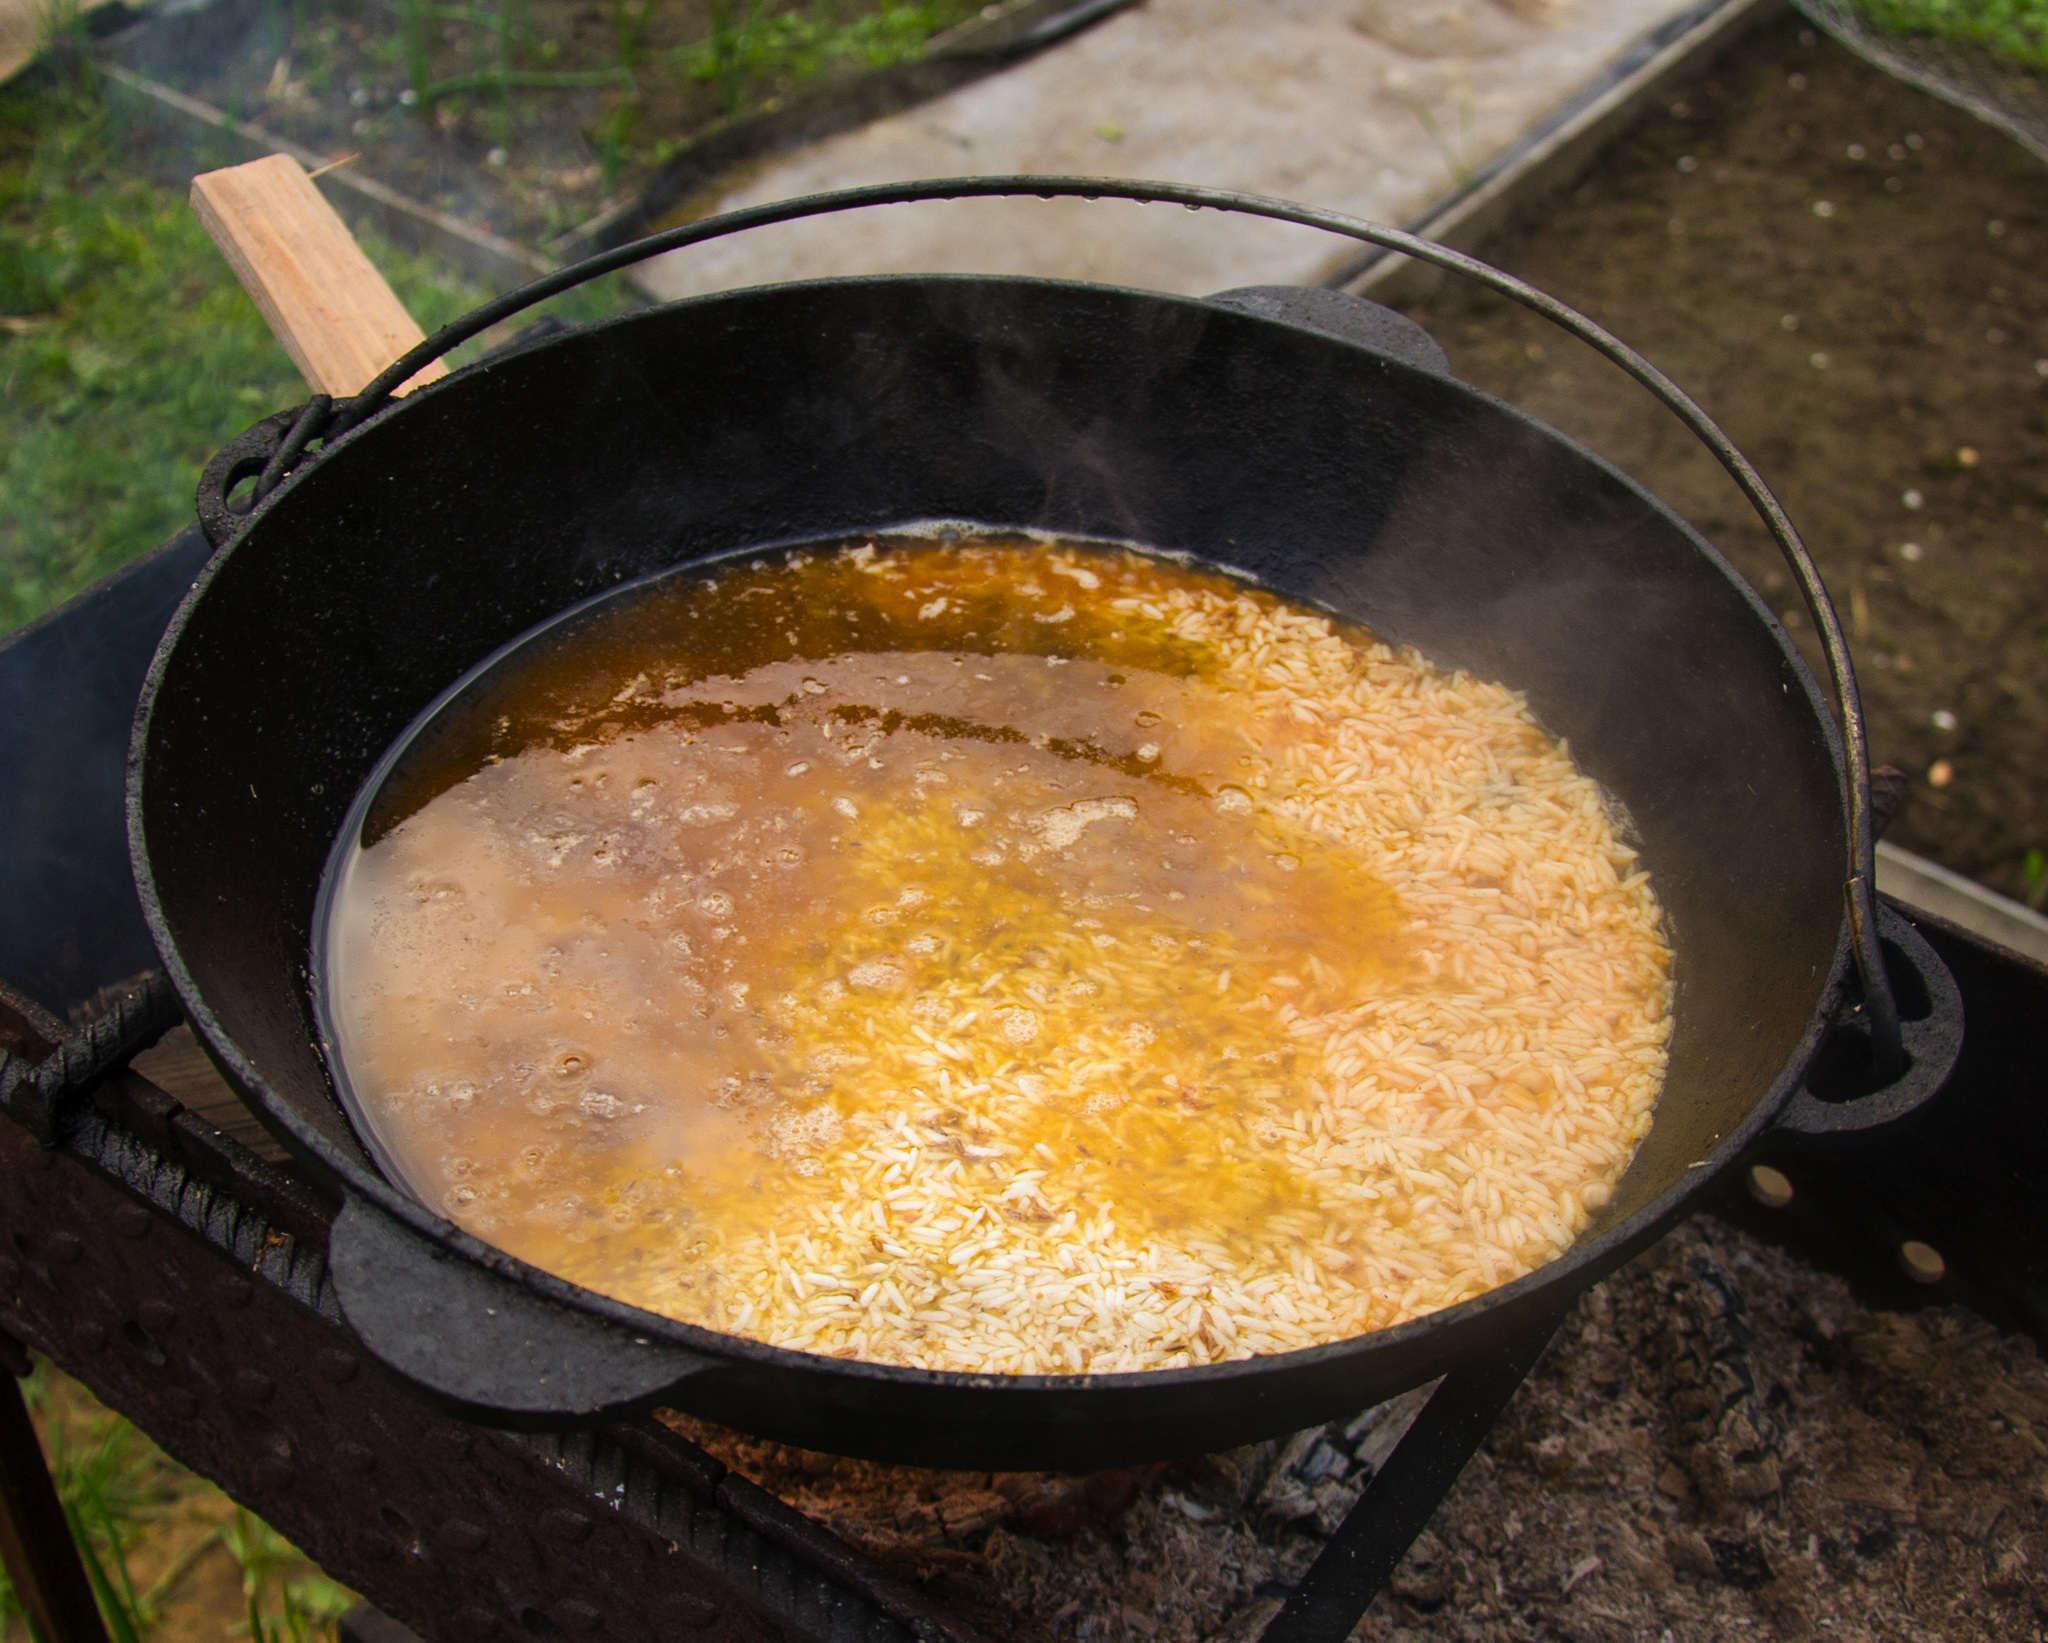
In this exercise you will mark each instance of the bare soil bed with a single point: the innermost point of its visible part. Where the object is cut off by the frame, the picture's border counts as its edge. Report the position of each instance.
(1853, 278)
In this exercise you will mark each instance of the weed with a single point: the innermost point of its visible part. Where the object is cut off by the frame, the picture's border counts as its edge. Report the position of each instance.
(629, 35)
(309, 1604)
(114, 1486)
(756, 45)
(118, 1489)
(613, 135)
(2034, 875)
(749, 43)
(416, 51)
(63, 38)
(507, 37)
(496, 80)
(1459, 158)
(2014, 30)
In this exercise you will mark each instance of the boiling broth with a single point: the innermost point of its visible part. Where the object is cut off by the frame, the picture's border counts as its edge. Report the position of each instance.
(816, 947)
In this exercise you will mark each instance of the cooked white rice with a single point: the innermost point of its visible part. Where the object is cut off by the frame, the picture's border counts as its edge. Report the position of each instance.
(949, 1194)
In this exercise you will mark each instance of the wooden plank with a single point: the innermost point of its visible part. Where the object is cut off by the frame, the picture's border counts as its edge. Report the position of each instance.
(177, 1065)
(294, 255)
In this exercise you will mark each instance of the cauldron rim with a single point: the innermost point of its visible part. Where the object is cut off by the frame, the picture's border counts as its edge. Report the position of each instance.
(1595, 1252)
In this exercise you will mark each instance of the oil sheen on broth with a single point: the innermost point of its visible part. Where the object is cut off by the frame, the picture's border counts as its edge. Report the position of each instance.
(932, 950)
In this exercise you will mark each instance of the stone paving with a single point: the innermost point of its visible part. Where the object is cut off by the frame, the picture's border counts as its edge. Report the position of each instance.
(1376, 107)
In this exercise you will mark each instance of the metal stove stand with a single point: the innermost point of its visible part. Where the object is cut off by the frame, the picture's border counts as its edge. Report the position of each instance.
(182, 1278)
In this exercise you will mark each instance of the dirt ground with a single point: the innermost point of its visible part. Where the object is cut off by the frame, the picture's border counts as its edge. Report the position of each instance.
(1721, 1441)
(1853, 278)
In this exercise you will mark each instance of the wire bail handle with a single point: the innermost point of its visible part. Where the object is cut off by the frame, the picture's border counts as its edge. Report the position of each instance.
(319, 421)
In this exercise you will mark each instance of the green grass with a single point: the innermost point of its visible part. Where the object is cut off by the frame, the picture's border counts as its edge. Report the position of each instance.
(2014, 30)
(308, 1602)
(749, 44)
(114, 1484)
(128, 354)
(119, 1490)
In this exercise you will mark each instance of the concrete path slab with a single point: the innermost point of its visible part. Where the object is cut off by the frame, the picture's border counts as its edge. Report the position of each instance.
(1376, 107)
(26, 25)
(1931, 887)
(21, 35)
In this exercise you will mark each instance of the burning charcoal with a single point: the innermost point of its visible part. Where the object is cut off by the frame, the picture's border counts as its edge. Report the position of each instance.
(1220, 1482)
(1285, 1500)
(1188, 1509)
(1288, 1462)
(1110, 1492)
(972, 1510)
(1981, 1517)
(1334, 1499)
(1788, 1600)
(1583, 1569)
(1307, 1483)
(1374, 1434)
(1728, 1441)
(1652, 1571)
(1323, 1460)
(1045, 1505)
(917, 1518)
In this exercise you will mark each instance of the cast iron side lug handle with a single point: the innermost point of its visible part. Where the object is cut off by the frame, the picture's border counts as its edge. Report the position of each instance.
(269, 450)
(483, 1345)
(1932, 1040)
(1341, 315)
(264, 451)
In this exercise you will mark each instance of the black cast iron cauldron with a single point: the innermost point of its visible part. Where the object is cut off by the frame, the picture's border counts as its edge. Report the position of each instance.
(1349, 469)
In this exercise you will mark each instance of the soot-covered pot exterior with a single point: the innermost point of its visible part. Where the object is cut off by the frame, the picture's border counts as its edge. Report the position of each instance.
(1333, 471)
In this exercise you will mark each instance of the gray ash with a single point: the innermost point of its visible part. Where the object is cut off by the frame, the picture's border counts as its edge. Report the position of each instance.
(1720, 1440)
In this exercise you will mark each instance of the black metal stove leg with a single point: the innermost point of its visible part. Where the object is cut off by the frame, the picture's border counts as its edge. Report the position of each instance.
(42, 1559)
(1405, 1493)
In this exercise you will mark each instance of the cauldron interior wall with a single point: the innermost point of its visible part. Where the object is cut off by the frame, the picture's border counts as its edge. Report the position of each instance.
(1400, 498)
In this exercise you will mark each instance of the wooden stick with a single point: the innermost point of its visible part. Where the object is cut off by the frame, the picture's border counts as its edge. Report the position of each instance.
(295, 256)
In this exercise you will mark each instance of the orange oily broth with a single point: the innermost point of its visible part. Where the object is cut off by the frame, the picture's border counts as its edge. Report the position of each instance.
(839, 949)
